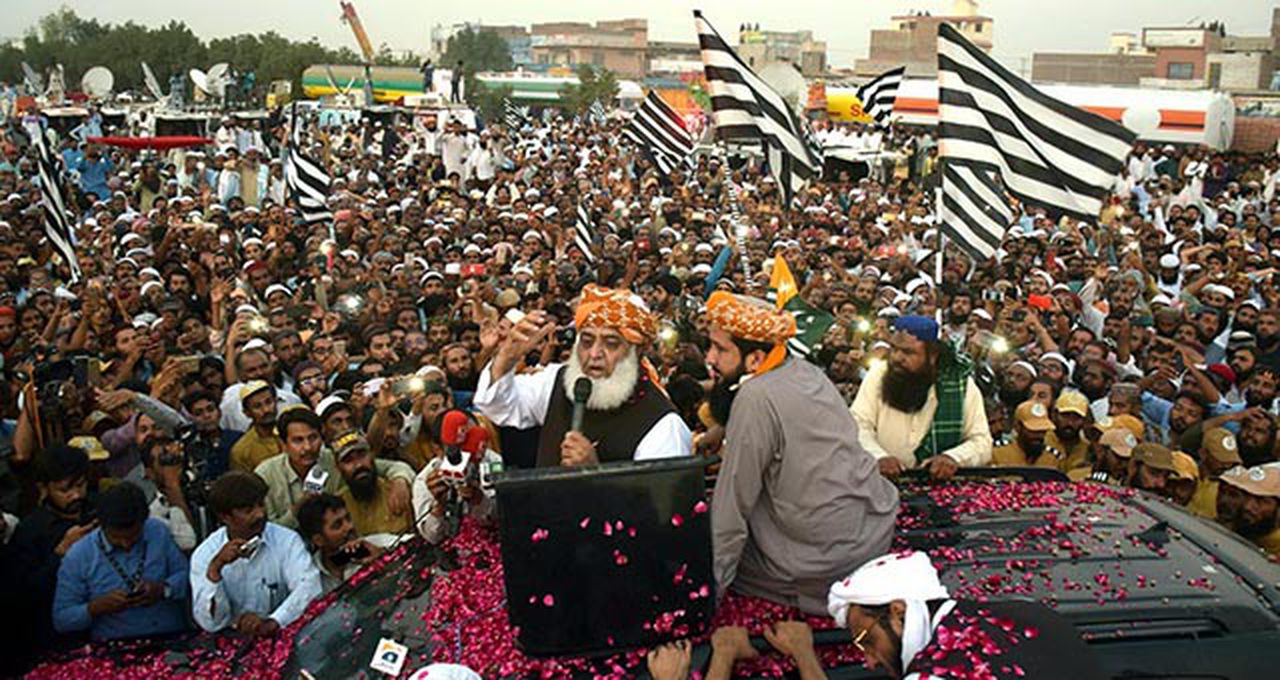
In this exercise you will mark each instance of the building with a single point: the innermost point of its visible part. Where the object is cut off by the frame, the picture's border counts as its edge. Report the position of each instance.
(667, 58)
(800, 48)
(620, 46)
(1092, 69)
(913, 40)
(1179, 57)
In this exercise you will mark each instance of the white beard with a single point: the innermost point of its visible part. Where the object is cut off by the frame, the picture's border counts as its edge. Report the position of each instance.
(606, 393)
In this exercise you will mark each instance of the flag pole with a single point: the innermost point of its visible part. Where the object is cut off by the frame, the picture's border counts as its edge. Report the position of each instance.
(942, 244)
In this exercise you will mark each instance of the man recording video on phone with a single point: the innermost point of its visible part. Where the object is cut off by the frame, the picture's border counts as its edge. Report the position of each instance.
(339, 551)
(251, 574)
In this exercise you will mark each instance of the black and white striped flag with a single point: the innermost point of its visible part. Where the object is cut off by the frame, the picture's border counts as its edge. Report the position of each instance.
(974, 211)
(596, 113)
(745, 107)
(659, 130)
(879, 95)
(1046, 152)
(57, 226)
(584, 233)
(307, 180)
(514, 117)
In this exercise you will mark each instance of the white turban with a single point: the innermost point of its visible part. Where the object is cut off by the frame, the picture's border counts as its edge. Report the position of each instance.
(909, 577)
(897, 576)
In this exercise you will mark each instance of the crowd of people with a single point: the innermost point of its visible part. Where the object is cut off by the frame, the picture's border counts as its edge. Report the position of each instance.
(232, 409)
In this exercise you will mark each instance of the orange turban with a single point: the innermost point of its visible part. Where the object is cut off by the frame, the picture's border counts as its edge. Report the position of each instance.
(750, 319)
(618, 309)
(755, 320)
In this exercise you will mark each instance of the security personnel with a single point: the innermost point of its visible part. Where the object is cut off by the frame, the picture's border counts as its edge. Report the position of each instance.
(1031, 424)
(1219, 452)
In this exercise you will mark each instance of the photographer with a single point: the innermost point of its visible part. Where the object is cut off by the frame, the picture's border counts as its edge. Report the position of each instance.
(165, 461)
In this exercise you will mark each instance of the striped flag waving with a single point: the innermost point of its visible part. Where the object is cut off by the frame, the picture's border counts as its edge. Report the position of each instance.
(974, 212)
(584, 233)
(57, 226)
(307, 180)
(596, 113)
(879, 96)
(514, 117)
(659, 130)
(1046, 152)
(745, 107)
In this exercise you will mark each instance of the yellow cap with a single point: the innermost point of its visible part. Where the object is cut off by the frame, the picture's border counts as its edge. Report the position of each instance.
(91, 446)
(1185, 467)
(1072, 402)
(1221, 445)
(253, 387)
(1033, 416)
(1119, 441)
(1154, 456)
(1260, 480)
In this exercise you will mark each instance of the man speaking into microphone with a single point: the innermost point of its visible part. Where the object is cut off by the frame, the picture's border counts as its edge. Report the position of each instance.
(605, 404)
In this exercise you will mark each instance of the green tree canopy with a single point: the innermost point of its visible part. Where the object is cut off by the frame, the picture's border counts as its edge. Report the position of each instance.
(63, 37)
(478, 51)
(594, 85)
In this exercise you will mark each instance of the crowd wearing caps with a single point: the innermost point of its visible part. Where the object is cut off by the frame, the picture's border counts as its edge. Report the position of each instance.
(434, 256)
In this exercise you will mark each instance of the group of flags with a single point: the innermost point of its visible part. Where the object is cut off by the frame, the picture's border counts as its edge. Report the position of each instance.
(999, 137)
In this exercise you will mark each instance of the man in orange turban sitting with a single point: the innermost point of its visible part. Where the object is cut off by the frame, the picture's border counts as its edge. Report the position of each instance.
(628, 416)
(798, 502)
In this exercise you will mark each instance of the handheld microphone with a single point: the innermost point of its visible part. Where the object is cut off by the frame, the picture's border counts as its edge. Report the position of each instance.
(581, 393)
(451, 435)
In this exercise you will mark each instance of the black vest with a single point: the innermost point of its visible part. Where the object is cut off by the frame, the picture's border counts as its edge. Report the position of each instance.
(616, 433)
(1025, 636)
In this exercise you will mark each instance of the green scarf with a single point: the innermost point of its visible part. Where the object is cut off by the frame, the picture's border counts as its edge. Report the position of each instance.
(947, 429)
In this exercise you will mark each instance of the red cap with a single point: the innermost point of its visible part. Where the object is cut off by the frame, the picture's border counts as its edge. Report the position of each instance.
(451, 428)
(8, 311)
(1224, 371)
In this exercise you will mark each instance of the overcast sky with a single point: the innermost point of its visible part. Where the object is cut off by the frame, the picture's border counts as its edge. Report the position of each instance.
(1022, 26)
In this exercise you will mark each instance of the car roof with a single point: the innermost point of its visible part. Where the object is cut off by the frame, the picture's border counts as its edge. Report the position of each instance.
(1116, 562)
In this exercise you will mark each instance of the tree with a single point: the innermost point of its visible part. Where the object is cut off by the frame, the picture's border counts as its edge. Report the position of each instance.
(594, 85)
(490, 103)
(63, 37)
(478, 51)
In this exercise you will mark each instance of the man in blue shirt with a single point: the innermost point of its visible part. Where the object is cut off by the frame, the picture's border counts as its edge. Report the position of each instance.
(251, 574)
(94, 171)
(127, 579)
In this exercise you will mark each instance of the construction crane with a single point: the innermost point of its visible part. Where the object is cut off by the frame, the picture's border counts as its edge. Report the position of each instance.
(350, 18)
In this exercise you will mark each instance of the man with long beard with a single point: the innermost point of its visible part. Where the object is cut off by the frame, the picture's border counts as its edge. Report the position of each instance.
(922, 407)
(797, 501)
(628, 417)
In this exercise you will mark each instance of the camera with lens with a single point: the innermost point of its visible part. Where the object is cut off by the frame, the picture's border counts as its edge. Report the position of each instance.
(196, 477)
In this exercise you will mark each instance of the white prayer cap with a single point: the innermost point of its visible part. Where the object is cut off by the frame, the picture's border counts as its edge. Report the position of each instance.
(898, 576)
(1169, 261)
(256, 343)
(444, 671)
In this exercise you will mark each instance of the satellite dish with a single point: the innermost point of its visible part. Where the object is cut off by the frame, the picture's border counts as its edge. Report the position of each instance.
(786, 80)
(217, 77)
(97, 82)
(153, 85)
(200, 79)
(34, 82)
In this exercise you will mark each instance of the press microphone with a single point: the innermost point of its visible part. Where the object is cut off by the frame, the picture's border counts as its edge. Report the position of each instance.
(581, 393)
(451, 435)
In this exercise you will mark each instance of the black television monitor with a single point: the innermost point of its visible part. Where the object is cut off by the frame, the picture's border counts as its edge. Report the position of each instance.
(605, 558)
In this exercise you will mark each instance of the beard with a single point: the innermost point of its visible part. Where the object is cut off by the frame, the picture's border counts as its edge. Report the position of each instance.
(1252, 398)
(1251, 327)
(1012, 397)
(720, 400)
(1254, 530)
(957, 319)
(907, 391)
(363, 485)
(462, 383)
(608, 393)
(1257, 455)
